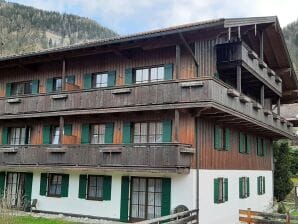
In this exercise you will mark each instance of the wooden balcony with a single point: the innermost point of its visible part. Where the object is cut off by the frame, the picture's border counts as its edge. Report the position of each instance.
(194, 93)
(158, 157)
(230, 55)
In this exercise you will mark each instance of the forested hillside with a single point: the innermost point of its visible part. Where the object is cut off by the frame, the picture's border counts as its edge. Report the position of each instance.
(24, 29)
(291, 36)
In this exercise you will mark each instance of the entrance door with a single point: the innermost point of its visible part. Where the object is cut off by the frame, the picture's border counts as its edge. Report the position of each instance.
(146, 194)
(15, 189)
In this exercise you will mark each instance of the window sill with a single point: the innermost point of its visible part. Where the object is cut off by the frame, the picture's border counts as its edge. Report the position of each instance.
(14, 100)
(94, 199)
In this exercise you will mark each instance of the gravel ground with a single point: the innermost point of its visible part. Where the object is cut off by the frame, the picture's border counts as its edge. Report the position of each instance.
(67, 218)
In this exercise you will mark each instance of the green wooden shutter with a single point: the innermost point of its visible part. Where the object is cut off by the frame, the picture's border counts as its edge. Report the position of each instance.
(109, 133)
(46, 134)
(168, 71)
(227, 139)
(111, 78)
(68, 129)
(124, 199)
(248, 143)
(259, 185)
(167, 131)
(126, 133)
(85, 135)
(259, 147)
(107, 188)
(43, 184)
(35, 86)
(240, 187)
(166, 197)
(28, 187)
(2, 184)
(217, 137)
(241, 142)
(128, 76)
(226, 189)
(216, 190)
(70, 79)
(4, 136)
(248, 187)
(8, 89)
(49, 85)
(64, 185)
(264, 186)
(82, 186)
(87, 81)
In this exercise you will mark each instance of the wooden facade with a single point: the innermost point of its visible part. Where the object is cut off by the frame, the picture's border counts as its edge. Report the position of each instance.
(204, 88)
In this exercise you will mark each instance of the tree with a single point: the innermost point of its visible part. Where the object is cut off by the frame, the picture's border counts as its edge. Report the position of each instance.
(282, 182)
(294, 161)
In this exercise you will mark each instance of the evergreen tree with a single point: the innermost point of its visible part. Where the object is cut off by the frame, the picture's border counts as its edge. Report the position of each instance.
(282, 182)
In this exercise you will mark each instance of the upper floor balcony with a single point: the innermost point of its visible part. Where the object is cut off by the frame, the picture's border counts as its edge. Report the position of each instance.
(157, 157)
(254, 69)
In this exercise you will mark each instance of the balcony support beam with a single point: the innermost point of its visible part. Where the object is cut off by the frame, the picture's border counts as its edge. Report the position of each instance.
(278, 106)
(263, 96)
(178, 61)
(61, 127)
(189, 49)
(262, 46)
(239, 78)
(63, 74)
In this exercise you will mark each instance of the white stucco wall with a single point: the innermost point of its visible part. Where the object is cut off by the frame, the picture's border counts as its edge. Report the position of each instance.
(228, 212)
(183, 192)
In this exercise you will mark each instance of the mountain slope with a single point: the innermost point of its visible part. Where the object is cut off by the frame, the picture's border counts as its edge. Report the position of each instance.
(24, 29)
(291, 36)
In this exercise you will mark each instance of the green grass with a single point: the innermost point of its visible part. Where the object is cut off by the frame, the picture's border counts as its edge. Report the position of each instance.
(37, 220)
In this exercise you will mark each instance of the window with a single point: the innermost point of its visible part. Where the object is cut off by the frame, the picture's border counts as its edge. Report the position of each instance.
(55, 133)
(95, 187)
(244, 190)
(100, 80)
(19, 136)
(57, 84)
(260, 147)
(98, 134)
(148, 132)
(221, 138)
(261, 185)
(145, 75)
(21, 88)
(220, 190)
(55, 185)
(146, 196)
(244, 143)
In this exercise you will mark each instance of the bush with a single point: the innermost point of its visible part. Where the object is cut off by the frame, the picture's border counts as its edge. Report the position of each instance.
(281, 208)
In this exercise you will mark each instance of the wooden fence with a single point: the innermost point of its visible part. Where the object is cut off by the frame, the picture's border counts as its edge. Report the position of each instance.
(253, 217)
(189, 217)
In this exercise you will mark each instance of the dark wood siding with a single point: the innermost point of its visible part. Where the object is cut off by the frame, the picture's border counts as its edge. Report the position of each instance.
(209, 158)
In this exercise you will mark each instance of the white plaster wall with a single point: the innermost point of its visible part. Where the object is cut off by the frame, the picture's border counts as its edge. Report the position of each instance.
(73, 204)
(183, 191)
(228, 212)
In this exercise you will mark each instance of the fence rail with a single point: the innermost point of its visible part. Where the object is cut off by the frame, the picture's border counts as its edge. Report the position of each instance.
(190, 217)
(253, 217)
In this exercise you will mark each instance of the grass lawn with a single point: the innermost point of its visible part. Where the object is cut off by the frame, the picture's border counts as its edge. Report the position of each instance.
(34, 220)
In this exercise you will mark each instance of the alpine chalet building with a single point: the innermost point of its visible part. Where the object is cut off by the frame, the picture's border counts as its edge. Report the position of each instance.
(129, 128)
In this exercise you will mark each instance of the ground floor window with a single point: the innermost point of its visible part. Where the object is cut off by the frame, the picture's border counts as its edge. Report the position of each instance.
(261, 185)
(15, 189)
(95, 187)
(244, 189)
(220, 190)
(146, 196)
(54, 184)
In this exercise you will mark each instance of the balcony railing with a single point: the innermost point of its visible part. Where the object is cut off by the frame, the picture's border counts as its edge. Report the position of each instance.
(154, 96)
(159, 157)
(238, 53)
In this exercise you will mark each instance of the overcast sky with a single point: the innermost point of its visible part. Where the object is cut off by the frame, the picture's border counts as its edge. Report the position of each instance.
(131, 16)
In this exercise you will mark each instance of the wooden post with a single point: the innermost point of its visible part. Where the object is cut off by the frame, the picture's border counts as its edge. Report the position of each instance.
(176, 125)
(239, 33)
(61, 128)
(178, 56)
(288, 218)
(239, 78)
(278, 106)
(229, 34)
(63, 74)
(262, 46)
(263, 96)
(249, 215)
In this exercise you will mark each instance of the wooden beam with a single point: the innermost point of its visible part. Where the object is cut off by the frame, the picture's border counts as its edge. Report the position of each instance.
(239, 33)
(61, 128)
(278, 106)
(176, 125)
(262, 46)
(239, 78)
(263, 95)
(229, 33)
(178, 61)
(189, 49)
(63, 74)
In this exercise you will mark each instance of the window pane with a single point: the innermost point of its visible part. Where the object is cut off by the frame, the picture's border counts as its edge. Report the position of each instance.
(98, 134)
(138, 76)
(56, 134)
(160, 73)
(153, 74)
(145, 75)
